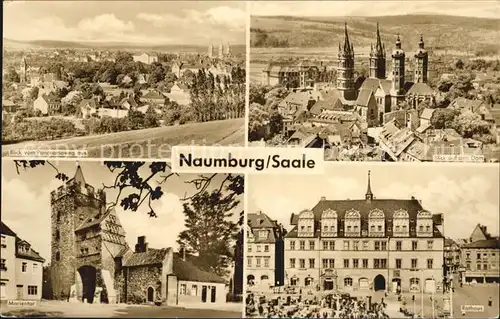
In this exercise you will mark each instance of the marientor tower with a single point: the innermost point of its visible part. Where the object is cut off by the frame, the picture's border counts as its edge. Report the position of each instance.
(421, 63)
(377, 58)
(345, 70)
(398, 74)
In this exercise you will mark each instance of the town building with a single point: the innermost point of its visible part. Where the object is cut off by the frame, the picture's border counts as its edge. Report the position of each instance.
(92, 262)
(21, 268)
(264, 252)
(367, 244)
(47, 104)
(146, 58)
(452, 255)
(481, 257)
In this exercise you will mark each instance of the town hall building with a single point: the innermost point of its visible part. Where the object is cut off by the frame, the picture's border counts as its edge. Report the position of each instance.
(92, 262)
(365, 244)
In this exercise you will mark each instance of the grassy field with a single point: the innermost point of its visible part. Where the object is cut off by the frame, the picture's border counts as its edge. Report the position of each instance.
(148, 143)
(463, 34)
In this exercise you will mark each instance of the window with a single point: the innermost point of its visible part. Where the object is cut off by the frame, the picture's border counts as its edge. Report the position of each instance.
(58, 256)
(249, 248)
(365, 245)
(311, 245)
(397, 228)
(292, 262)
(258, 261)
(346, 245)
(346, 263)
(398, 263)
(383, 263)
(312, 262)
(292, 245)
(414, 263)
(24, 267)
(183, 289)
(468, 256)
(478, 266)
(266, 248)
(414, 245)
(259, 248)
(266, 262)
(430, 244)
(427, 228)
(377, 245)
(332, 263)
(478, 256)
(430, 263)
(485, 267)
(421, 228)
(309, 228)
(355, 263)
(348, 282)
(2, 264)
(35, 268)
(348, 228)
(365, 263)
(399, 245)
(467, 266)
(383, 245)
(32, 290)
(325, 228)
(4, 241)
(263, 234)
(302, 263)
(332, 245)
(355, 245)
(325, 245)
(249, 261)
(379, 228)
(302, 244)
(325, 263)
(194, 290)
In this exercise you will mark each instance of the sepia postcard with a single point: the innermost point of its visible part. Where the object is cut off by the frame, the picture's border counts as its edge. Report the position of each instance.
(122, 79)
(359, 242)
(391, 81)
(119, 239)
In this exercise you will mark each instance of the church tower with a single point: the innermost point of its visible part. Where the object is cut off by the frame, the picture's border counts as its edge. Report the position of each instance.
(377, 59)
(221, 51)
(421, 63)
(210, 51)
(228, 50)
(398, 74)
(345, 70)
(23, 74)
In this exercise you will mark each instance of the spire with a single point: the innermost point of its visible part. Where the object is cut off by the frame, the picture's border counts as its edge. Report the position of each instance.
(79, 174)
(379, 41)
(421, 43)
(369, 194)
(398, 42)
(347, 44)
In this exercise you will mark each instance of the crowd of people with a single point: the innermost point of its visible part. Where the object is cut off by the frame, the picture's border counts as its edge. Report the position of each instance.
(330, 305)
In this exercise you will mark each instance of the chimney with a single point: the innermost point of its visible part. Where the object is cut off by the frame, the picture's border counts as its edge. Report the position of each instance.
(183, 253)
(142, 245)
(413, 198)
(323, 198)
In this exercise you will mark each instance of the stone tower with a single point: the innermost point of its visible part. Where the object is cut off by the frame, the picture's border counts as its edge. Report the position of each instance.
(210, 51)
(345, 69)
(398, 74)
(421, 63)
(23, 73)
(227, 51)
(377, 59)
(85, 239)
(221, 51)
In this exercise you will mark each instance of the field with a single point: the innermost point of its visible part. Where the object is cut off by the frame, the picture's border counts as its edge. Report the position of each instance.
(148, 143)
(463, 34)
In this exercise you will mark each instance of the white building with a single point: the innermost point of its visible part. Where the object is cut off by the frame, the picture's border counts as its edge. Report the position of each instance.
(21, 268)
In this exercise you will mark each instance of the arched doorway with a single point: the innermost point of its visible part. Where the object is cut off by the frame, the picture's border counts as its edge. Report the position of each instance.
(150, 294)
(88, 275)
(379, 283)
(250, 280)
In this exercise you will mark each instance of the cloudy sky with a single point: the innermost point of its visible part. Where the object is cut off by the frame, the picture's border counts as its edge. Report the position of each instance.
(479, 8)
(26, 204)
(466, 195)
(151, 22)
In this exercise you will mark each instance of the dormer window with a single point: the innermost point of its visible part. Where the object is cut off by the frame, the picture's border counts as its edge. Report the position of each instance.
(263, 234)
(401, 223)
(352, 223)
(424, 224)
(306, 224)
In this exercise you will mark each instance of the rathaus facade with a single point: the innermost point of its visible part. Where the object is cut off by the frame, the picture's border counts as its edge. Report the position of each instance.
(367, 244)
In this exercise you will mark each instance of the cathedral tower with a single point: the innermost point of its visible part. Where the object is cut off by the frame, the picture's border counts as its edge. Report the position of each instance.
(228, 50)
(398, 74)
(221, 50)
(421, 63)
(210, 51)
(345, 70)
(23, 74)
(377, 59)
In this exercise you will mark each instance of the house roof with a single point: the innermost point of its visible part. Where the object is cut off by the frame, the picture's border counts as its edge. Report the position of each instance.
(150, 257)
(420, 89)
(89, 102)
(260, 220)
(461, 103)
(364, 207)
(5, 230)
(155, 95)
(370, 84)
(191, 269)
(364, 97)
(30, 254)
(492, 243)
(427, 114)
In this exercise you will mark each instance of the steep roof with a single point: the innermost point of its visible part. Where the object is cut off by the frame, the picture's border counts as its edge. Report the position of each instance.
(150, 257)
(5, 230)
(30, 254)
(493, 243)
(364, 97)
(420, 89)
(427, 113)
(461, 103)
(260, 220)
(191, 270)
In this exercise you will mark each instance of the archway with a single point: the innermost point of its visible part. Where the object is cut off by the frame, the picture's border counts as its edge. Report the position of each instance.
(88, 275)
(379, 283)
(250, 280)
(151, 294)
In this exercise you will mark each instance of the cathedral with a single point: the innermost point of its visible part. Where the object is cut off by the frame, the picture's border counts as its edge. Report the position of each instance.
(377, 94)
(222, 51)
(92, 262)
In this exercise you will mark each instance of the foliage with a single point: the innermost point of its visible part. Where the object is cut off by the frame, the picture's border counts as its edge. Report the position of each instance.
(468, 124)
(443, 118)
(12, 76)
(275, 123)
(258, 119)
(24, 130)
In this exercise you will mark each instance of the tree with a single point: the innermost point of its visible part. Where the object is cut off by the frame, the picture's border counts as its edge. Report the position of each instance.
(257, 94)
(70, 102)
(275, 123)
(34, 93)
(12, 76)
(443, 118)
(258, 120)
(209, 230)
(136, 119)
(151, 118)
(469, 124)
(459, 64)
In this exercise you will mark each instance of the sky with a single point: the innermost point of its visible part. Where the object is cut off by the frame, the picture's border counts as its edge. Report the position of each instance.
(148, 22)
(26, 204)
(465, 194)
(479, 8)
